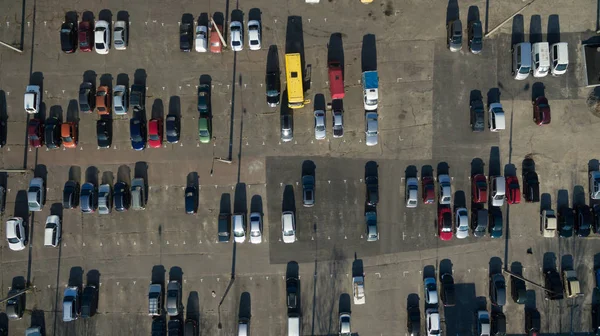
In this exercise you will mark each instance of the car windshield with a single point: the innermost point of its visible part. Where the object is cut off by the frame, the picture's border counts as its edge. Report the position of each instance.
(154, 137)
(102, 136)
(99, 45)
(255, 233)
(136, 138)
(203, 133)
(253, 42)
(239, 233)
(235, 43)
(67, 139)
(288, 233)
(65, 31)
(524, 70)
(561, 67)
(13, 240)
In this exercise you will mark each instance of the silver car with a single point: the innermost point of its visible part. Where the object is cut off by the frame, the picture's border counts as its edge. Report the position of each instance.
(120, 100)
(120, 35)
(412, 189)
(104, 199)
(320, 131)
(462, 223)
(371, 128)
(345, 324)
(255, 228)
(36, 194)
(15, 233)
(287, 128)
(173, 298)
(338, 124)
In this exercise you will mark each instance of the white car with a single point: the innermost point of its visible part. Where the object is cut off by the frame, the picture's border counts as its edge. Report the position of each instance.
(288, 227)
(15, 234)
(433, 322)
(371, 128)
(412, 191)
(462, 223)
(52, 231)
(445, 189)
(201, 38)
(237, 36)
(483, 323)
(345, 324)
(320, 131)
(431, 295)
(102, 37)
(120, 35)
(595, 185)
(254, 35)
(255, 228)
(120, 100)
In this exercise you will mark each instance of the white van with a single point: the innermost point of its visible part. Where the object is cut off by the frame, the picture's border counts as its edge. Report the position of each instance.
(239, 227)
(288, 227)
(32, 99)
(496, 120)
(498, 191)
(52, 231)
(294, 325)
(540, 58)
(559, 58)
(521, 63)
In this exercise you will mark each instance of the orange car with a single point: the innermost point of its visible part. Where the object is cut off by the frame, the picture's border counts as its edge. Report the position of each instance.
(215, 41)
(69, 133)
(103, 101)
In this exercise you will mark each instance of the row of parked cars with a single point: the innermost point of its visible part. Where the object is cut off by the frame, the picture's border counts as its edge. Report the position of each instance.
(213, 34)
(89, 35)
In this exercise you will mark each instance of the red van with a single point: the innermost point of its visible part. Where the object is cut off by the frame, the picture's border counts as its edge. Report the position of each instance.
(336, 80)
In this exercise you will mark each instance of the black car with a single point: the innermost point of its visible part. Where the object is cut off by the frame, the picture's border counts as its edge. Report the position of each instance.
(173, 125)
(159, 326)
(122, 196)
(477, 116)
(137, 97)
(71, 195)
(475, 34)
(566, 222)
(190, 328)
(3, 133)
(532, 322)
(553, 284)
(191, 199)
(293, 295)
(175, 327)
(87, 97)
(372, 183)
(224, 227)
(104, 132)
(596, 319)
(498, 324)
(596, 223)
(413, 321)
(89, 301)
(273, 88)
(2, 199)
(448, 292)
(583, 220)
(16, 305)
(68, 37)
(185, 37)
(495, 222)
(531, 187)
(518, 290)
(52, 133)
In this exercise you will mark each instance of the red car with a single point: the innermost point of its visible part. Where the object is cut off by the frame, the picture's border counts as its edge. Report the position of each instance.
(428, 190)
(513, 191)
(35, 133)
(445, 223)
(541, 111)
(86, 36)
(155, 133)
(479, 188)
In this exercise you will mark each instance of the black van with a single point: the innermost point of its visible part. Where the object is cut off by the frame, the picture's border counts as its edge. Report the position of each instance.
(88, 301)
(448, 292)
(498, 324)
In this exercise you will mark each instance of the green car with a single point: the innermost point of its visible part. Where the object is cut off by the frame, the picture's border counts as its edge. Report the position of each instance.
(204, 129)
(204, 123)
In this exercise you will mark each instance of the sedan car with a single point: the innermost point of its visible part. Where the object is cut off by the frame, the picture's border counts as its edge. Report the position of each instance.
(121, 197)
(102, 37)
(345, 325)
(475, 35)
(320, 131)
(87, 97)
(531, 187)
(288, 226)
(104, 199)
(237, 36)
(172, 125)
(215, 40)
(52, 133)
(255, 228)
(431, 294)
(103, 101)
(15, 234)
(483, 323)
(36, 194)
(477, 116)
(513, 190)
(86, 37)
(433, 322)
(155, 133)
(204, 129)
(15, 306)
(120, 100)
(583, 220)
(308, 190)
(35, 133)
(445, 193)
(372, 188)
(411, 192)
(454, 37)
(68, 37)
(287, 129)
(462, 223)
(566, 221)
(495, 222)
(445, 228)
(273, 87)
(254, 35)
(201, 38)
(104, 133)
(120, 35)
(70, 195)
(137, 134)
(338, 123)
(185, 36)
(88, 198)
(479, 188)
(371, 128)
(191, 199)
(69, 134)
(428, 187)
(541, 111)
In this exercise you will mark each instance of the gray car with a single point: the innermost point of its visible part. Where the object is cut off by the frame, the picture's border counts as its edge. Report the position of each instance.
(120, 100)
(338, 123)
(371, 221)
(308, 190)
(88, 198)
(371, 128)
(320, 131)
(454, 39)
(498, 289)
(173, 298)
(479, 222)
(36, 194)
(287, 128)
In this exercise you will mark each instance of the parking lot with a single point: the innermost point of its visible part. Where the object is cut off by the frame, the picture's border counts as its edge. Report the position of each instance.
(423, 128)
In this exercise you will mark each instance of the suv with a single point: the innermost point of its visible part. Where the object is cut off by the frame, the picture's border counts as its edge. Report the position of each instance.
(173, 298)
(531, 187)
(308, 190)
(52, 133)
(483, 323)
(498, 289)
(541, 111)
(566, 222)
(475, 36)
(448, 293)
(137, 97)
(104, 132)
(186, 36)
(454, 38)
(583, 220)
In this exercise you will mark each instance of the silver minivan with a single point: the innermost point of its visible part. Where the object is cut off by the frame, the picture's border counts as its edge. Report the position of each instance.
(521, 61)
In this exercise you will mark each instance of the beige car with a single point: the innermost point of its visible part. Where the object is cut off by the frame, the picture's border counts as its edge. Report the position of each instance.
(548, 223)
(571, 283)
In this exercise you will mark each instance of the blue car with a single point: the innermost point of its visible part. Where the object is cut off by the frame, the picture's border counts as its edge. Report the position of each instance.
(137, 134)
(597, 275)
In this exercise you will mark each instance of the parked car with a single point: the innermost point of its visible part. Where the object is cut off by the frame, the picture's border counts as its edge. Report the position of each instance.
(477, 116)
(596, 221)
(345, 329)
(239, 227)
(2, 199)
(256, 227)
(411, 192)
(120, 100)
(15, 233)
(532, 322)
(495, 228)
(496, 117)
(498, 185)
(87, 97)
(288, 227)
(175, 326)
(445, 193)
(52, 131)
(518, 290)
(137, 134)
(191, 199)
(595, 185)
(428, 187)
(70, 195)
(104, 133)
(483, 323)
(479, 188)
(372, 188)
(413, 321)
(15, 306)
(371, 224)
(68, 37)
(215, 41)
(237, 36)
(122, 196)
(88, 198)
(173, 125)
(338, 123)
(308, 190)
(596, 319)
(89, 301)
(137, 97)
(120, 35)
(371, 128)
(498, 324)
(445, 227)
(190, 328)
(103, 100)
(273, 88)
(104, 199)
(448, 294)
(498, 289)
(553, 285)
(292, 294)
(201, 38)
(566, 222)
(224, 227)
(583, 220)
(102, 37)
(320, 132)
(531, 185)
(462, 223)
(35, 133)
(287, 131)
(173, 298)
(204, 110)
(86, 37)
(36, 194)
(155, 133)
(69, 134)
(254, 35)
(541, 111)
(431, 294)
(475, 36)
(186, 36)
(479, 222)
(71, 304)
(513, 190)
(454, 38)
(433, 322)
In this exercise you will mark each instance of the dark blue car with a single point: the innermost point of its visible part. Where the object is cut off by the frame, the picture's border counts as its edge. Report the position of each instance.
(137, 133)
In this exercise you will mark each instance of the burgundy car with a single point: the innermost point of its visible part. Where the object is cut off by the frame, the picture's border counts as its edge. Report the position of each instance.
(541, 111)
(35, 133)
(428, 190)
(479, 188)
(86, 36)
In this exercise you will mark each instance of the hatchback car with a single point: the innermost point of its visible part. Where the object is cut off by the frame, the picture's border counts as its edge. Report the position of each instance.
(104, 133)
(155, 133)
(120, 100)
(88, 198)
(454, 38)
(52, 133)
(445, 227)
(68, 37)
(120, 35)
(173, 298)
(172, 125)
(201, 38)
(103, 101)
(137, 134)
(36, 194)
(477, 116)
(338, 123)
(191, 199)
(431, 294)
(35, 133)
(215, 41)
(15, 233)
(121, 197)
(254, 35)
(237, 36)
(287, 128)
(445, 193)
(186, 41)
(87, 97)
(479, 188)
(583, 220)
(69, 134)
(308, 190)
(104, 199)
(513, 190)
(86, 36)
(255, 228)
(428, 187)
(462, 223)
(102, 37)
(475, 36)
(541, 111)
(320, 132)
(15, 306)
(70, 195)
